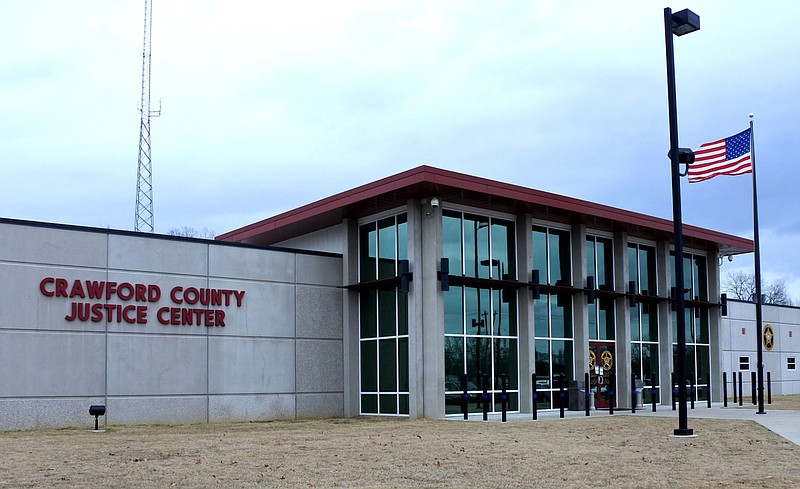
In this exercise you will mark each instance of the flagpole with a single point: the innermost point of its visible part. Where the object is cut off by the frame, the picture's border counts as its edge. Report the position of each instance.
(759, 325)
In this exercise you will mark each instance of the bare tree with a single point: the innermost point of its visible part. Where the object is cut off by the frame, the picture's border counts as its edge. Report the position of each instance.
(742, 286)
(191, 232)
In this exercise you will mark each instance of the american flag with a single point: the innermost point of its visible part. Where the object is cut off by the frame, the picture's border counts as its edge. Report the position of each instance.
(729, 156)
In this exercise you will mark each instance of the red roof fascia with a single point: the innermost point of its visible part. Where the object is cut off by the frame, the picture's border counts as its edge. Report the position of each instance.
(447, 178)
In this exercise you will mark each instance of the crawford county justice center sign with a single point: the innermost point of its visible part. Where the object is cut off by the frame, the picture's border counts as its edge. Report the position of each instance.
(88, 304)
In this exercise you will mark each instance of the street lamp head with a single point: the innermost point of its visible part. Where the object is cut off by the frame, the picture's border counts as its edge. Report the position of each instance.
(685, 156)
(684, 22)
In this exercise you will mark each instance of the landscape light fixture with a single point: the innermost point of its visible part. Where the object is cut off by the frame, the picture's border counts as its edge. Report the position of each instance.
(97, 410)
(678, 24)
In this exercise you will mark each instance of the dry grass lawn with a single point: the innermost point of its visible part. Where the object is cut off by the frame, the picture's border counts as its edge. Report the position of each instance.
(600, 451)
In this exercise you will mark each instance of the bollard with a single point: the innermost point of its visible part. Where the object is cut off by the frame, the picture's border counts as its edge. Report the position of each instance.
(653, 391)
(708, 391)
(753, 385)
(769, 388)
(633, 393)
(741, 393)
(464, 397)
(611, 385)
(691, 392)
(485, 397)
(725, 389)
(674, 390)
(503, 397)
(734, 387)
(561, 398)
(587, 393)
(534, 400)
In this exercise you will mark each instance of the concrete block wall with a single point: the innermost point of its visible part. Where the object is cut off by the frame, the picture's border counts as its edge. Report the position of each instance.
(738, 339)
(279, 355)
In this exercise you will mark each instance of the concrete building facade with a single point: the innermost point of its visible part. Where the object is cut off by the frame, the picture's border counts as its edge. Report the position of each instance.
(163, 330)
(386, 299)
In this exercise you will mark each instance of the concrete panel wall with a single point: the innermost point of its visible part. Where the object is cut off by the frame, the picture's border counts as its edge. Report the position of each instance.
(279, 354)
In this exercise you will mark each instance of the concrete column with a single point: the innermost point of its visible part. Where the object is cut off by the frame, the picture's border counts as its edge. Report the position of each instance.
(623, 320)
(663, 260)
(432, 325)
(350, 320)
(527, 360)
(416, 371)
(714, 327)
(580, 313)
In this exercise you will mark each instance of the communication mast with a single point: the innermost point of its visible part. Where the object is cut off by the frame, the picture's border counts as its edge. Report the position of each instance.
(144, 181)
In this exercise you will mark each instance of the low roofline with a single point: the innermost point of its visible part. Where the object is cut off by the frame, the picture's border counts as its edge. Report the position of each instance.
(426, 181)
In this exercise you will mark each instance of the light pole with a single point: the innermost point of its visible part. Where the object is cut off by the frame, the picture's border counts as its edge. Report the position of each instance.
(678, 24)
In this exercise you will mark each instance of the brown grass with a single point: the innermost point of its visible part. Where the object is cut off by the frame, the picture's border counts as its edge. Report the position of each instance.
(600, 451)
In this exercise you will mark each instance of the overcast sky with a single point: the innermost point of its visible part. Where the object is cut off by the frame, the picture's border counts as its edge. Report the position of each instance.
(270, 105)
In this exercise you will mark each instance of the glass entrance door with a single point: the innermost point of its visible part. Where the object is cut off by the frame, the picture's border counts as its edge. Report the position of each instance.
(602, 372)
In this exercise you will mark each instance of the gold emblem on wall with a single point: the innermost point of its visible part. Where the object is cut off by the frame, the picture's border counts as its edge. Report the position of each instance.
(768, 337)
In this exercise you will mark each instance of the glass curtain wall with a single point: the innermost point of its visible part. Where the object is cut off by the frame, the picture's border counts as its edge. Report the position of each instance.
(698, 359)
(383, 318)
(553, 327)
(644, 318)
(480, 322)
(600, 265)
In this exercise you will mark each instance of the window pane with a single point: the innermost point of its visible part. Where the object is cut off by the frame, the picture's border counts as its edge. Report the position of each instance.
(539, 238)
(402, 237)
(702, 327)
(703, 365)
(403, 403)
(636, 359)
(476, 246)
(386, 313)
(650, 362)
(451, 241)
(606, 319)
(542, 364)
(505, 358)
(369, 363)
(700, 278)
(504, 322)
(453, 362)
(388, 404)
(369, 252)
(635, 327)
(562, 361)
(387, 252)
(591, 259)
(633, 266)
(388, 365)
(477, 310)
(649, 322)
(504, 247)
(592, 308)
(402, 364)
(453, 312)
(479, 360)
(560, 258)
(605, 271)
(369, 313)
(561, 315)
(647, 270)
(402, 313)
(369, 403)
(541, 316)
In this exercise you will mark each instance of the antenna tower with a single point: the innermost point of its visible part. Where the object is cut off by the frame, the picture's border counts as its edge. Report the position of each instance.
(144, 181)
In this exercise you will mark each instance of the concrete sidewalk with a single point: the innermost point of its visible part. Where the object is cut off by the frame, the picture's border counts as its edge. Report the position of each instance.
(783, 423)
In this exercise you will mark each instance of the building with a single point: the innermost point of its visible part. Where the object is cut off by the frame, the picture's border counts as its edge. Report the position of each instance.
(537, 283)
(386, 299)
(780, 346)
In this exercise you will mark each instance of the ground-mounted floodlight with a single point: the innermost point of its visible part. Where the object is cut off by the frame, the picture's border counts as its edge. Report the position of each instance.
(678, 24)
(97, 410)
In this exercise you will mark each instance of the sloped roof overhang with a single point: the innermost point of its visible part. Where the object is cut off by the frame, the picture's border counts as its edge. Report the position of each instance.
(454, 187)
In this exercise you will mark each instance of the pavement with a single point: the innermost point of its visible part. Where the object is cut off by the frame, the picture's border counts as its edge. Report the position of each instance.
(782, 423)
